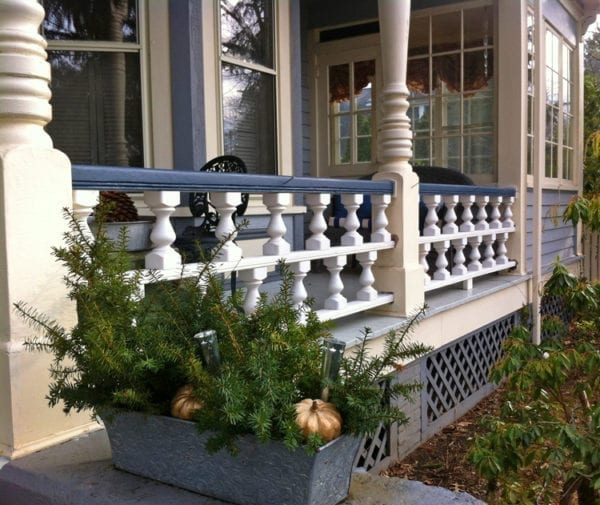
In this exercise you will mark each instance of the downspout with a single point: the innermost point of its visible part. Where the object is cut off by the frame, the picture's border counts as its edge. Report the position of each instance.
(539, 119)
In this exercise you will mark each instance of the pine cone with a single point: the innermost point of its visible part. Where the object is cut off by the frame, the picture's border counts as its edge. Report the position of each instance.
(118, 205)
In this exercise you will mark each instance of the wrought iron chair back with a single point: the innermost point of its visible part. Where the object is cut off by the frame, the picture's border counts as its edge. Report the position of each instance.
(199, 203)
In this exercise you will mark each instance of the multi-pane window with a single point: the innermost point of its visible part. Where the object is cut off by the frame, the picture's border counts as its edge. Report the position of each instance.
(559, 110)
(450, 79)
(248, 82)
(530, 90)
(351, 112)
(94, 50)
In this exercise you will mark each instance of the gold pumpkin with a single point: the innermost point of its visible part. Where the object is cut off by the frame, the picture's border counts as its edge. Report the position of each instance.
(185, 403)
(317, 416)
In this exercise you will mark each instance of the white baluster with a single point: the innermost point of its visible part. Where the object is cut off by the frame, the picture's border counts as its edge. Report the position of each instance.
(450, 217)
(335, 300)
(162, 204)
(482, 223)
(84, 202)
(252, 279)
(424, 250)
(466, 217)
(225, 204)
(441, 273)
(488, 251)
(474, 263)
(317, 203)
(495, 213)
(379, 220)
(507, 218)
(501, 258)
(352, 223)
(276, 203)
(367, 292)
(459, 267)
(431, 227)
(299, 294)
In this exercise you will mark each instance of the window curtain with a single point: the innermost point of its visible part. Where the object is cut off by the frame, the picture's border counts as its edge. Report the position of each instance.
(339, 80)
(477, 72)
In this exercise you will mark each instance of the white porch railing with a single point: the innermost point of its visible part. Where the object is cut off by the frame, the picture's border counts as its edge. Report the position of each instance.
(224, 190)
(464, 233)
(463, 237)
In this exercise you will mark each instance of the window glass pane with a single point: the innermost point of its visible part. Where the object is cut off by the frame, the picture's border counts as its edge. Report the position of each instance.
(417, 76)
(247, 30)
(344, 153)
(97, 112)
(446, 152)
(477, 112)
(421, 151)
(341, 141)
(364, 77)
(567, 163)
(419, 36)
(478, 154)
(478, 27)
(567, 124)
(419, 115)
(529, 155)
(446, 73)
(550, 120)
(478, 69)
(451, 113)
(249, 117)
(86, 20)
(445, 32)
(363, 124)
(339, 87)
(363, 148)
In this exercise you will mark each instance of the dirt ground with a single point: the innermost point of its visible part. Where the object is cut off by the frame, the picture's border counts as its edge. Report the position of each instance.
(441, 460)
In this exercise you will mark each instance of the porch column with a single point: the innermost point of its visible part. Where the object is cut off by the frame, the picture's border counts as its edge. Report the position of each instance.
(35, 184)
(398, 270)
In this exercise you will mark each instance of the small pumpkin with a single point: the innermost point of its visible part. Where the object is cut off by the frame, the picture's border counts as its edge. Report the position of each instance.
(185, 403)
(317, 416)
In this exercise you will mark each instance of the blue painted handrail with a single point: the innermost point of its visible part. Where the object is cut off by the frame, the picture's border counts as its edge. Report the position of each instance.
(456, 189)
(144, 179)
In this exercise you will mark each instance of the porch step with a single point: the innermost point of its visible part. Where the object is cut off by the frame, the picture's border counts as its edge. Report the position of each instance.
(80, 472)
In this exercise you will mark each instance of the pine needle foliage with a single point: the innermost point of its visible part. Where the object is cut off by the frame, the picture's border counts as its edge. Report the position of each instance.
(365, 388)
(132, 350)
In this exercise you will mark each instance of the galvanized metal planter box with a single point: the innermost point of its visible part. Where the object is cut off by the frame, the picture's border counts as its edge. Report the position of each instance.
(172, 451)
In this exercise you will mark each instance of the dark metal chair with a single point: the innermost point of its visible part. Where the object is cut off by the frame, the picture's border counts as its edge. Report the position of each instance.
(199, 203)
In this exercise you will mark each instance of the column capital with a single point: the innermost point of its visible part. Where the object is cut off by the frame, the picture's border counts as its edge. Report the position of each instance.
(24, 76)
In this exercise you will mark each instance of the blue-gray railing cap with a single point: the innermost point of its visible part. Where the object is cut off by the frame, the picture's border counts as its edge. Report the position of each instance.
(145, 179)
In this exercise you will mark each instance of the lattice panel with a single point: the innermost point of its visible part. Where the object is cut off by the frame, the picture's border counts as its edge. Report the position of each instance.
(374, 449)
(554, 306)
(456, 375)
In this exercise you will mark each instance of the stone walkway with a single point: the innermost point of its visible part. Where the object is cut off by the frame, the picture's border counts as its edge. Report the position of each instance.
(80, 472)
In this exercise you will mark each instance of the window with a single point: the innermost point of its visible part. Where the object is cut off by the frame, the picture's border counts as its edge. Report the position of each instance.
(346, 97)
(249, 82)
(351, 112)
(530, 90)
(559, 111)
(95, 50)
(450, 78)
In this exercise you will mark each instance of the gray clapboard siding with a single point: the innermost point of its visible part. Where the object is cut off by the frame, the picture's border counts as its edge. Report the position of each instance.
(559, 239)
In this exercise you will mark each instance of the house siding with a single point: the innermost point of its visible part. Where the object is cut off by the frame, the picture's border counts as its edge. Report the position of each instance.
(559, 238)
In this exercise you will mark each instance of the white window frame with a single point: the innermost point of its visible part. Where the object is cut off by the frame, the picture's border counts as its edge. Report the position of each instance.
(281, 71)
(155, 82)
